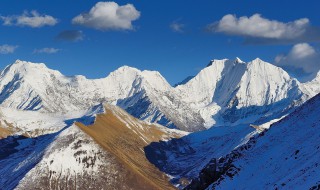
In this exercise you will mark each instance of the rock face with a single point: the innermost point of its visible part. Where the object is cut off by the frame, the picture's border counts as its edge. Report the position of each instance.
(285, 156)
(225, 92)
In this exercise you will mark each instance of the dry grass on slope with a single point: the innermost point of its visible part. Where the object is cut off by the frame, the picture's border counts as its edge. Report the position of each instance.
(4, 132)
(6, 129)
(124, 137)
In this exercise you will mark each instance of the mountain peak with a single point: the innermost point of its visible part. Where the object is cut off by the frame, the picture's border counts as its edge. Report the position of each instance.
(215, 61)
(19, 62)
(125, 69)
(257, 60)
(238, 60)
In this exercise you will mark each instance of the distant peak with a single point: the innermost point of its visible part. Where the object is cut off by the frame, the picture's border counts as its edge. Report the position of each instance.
(18, 61)
(257, 60)
(238, 60)
(24, 63)
(127, 68)
(213, 61)
(317, 77)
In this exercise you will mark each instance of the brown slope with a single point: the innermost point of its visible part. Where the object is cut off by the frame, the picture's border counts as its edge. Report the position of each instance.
(4, 132)
(6, 129)
(125, 137)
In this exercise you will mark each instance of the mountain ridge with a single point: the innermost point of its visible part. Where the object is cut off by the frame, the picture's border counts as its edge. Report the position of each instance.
(216, 95)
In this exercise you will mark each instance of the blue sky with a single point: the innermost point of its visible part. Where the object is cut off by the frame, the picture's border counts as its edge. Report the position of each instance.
(175, 37)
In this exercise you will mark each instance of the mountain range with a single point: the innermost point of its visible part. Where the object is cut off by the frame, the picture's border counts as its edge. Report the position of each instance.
(226, 91)
(133, 130)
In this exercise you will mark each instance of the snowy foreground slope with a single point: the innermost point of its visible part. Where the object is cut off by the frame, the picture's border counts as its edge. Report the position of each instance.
(225, 92)
(64, 156)
(184, 158)
(284, 157)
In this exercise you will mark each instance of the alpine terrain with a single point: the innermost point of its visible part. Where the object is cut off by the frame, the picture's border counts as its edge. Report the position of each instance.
(234, 125)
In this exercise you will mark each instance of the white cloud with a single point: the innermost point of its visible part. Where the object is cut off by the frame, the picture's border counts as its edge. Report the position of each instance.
(108, 16)
(6, 49)
(32, 19)
(301, 51)
(46, 50)
(258, 27)
(302, 57)
(177, 27)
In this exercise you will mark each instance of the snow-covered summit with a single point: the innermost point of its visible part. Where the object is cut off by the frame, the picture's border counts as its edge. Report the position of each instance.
(224, 91)
(238, 60)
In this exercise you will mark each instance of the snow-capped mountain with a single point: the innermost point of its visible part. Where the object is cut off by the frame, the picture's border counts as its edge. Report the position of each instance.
(225, 92)
(312, 87)
(232, 91)
(286, 156)
(144, 94)
(38, 108)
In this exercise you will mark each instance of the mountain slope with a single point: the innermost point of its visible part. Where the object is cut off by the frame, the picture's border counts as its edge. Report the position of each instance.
(124, 136)
(284, 157)
(107, 154)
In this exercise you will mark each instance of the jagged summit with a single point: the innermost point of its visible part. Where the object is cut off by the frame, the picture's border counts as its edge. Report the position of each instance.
(126, 69)
(238, 60)
(26, 64)
(227, 90)
(217, 61)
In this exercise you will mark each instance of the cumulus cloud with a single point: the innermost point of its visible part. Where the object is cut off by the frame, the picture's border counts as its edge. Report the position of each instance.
(31, 19)
(7, 49)
(177, 27)
(46, 50)
(257, 29)
(302, 60)
(108, 16)
(70, 35)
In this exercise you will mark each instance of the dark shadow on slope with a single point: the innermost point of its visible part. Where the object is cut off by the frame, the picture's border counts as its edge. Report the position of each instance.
(227, 86)
(140, 104)
(225, 97)
(19, 154)
(185, 157)
(261, 114)
(219, 169)
(9, 88)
